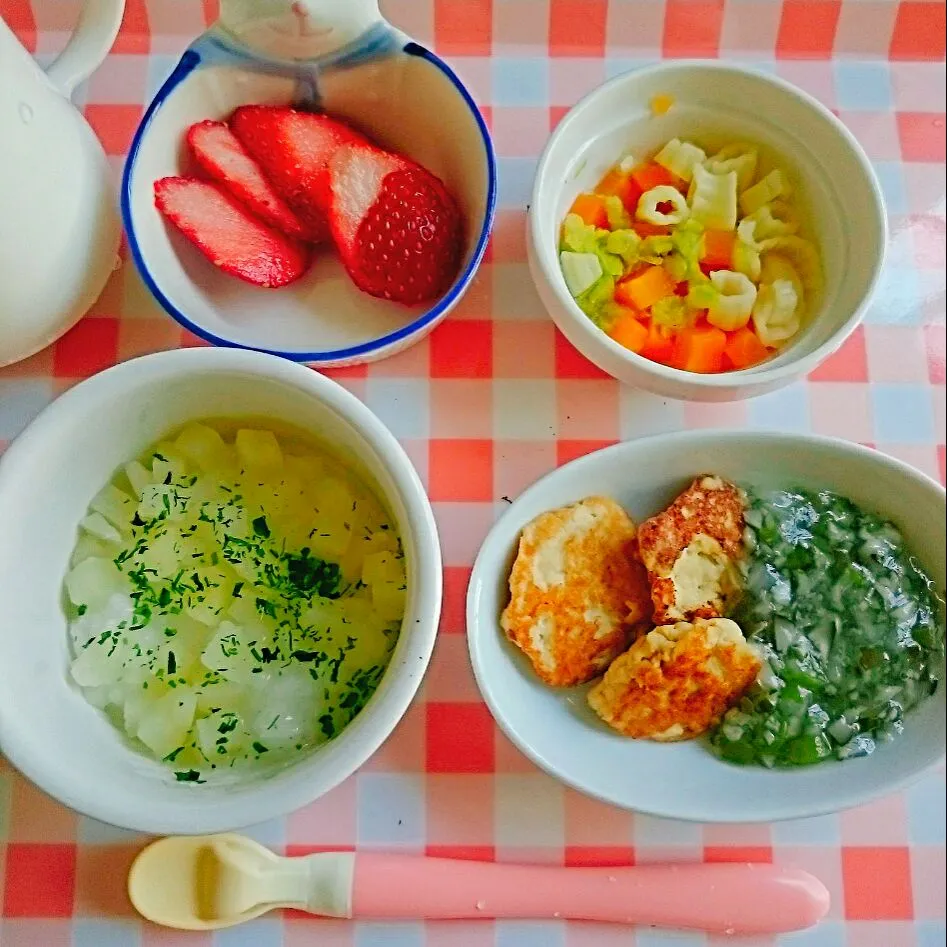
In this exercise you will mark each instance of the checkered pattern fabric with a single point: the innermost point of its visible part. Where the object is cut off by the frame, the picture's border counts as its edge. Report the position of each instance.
(495, 398)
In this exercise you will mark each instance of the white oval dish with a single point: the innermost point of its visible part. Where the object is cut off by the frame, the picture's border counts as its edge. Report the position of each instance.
(47, 478)
(358, 68)
(557, 730)
(728, 103)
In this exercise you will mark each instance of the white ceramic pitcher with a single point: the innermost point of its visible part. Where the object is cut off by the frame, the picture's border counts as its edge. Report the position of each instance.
(59, 225)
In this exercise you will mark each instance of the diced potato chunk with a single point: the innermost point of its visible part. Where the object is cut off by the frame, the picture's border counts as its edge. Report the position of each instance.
(259, 451)
(203, 446)
(165, 723)
(138, 476)
(97, 525)
(92, 582)
(115, 505)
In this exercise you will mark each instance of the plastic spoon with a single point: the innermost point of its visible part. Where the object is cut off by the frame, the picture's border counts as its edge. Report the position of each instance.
(213, 881)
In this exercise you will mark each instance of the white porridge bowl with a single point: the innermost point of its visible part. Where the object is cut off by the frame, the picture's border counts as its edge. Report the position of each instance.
(556, 728)
(48, 476)
(716, 103)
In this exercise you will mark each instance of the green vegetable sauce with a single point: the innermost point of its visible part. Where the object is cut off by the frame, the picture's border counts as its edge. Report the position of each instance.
(850, 626)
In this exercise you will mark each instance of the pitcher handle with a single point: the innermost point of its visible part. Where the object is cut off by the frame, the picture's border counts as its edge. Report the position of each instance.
(89, 45)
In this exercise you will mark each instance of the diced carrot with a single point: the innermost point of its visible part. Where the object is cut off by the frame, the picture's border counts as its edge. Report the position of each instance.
(744, 348)
(644, 229)
(591, 208)
(659, 346)
(642, 292)
(652, 175)
(629, 331)
(622, 185)
(699, 349)
(717, 249)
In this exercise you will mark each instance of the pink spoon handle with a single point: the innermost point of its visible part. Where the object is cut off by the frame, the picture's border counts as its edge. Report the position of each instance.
(725, 898)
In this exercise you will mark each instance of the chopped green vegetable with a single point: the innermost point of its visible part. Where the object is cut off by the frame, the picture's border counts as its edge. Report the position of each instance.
(852, 632)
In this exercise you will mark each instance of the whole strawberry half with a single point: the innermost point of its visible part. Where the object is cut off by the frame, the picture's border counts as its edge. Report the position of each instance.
(294, 149)
(222, 158)
(228, 234)
(397, 229)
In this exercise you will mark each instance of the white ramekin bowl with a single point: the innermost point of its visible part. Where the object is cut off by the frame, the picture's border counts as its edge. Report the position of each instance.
(834, 179)
(47, 478)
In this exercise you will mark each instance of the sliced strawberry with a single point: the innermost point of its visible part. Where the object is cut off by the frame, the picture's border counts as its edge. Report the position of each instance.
(221, 156)
(228, 235)
(397, 229)
(293, 149)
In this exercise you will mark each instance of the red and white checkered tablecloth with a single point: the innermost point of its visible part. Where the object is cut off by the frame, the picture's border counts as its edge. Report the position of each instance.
(495, 398)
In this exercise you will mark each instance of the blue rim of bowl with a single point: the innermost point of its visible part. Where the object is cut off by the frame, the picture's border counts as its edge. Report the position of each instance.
(188, 62)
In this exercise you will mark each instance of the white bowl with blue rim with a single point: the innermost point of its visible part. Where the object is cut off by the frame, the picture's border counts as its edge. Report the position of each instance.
(340, 56)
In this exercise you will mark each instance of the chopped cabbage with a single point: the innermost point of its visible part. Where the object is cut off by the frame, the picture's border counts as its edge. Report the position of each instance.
(662, 194)
(778, 267)
(655, 249)
(680, 158)
(775, 314)
(676, 267)
(713, 199)
(625, 244)
(595, 301)
(741, 158)
(672, 312)
(687, 242)
(803, 256)
(746, 253)
(701, 294)
(776, 219)
(733, 304)
(580, 237)
(580, 270)
(768, 189)
(618, 217)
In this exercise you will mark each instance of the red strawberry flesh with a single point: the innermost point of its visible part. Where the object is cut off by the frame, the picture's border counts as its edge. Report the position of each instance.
(294, 149)
(228, 234)
(396, 227)
(222, 158)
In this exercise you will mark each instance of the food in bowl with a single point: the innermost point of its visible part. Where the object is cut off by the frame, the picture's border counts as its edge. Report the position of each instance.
(851, 627)
(235, 596)
(277, 182)
(676, 681)
(792, 625)
(696, 258)
(691, 551)
(577, 590)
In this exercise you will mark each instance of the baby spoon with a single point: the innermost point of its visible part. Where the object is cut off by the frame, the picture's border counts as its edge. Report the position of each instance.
(212, 881)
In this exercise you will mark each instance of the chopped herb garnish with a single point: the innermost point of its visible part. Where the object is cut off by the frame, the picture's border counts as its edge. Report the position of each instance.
(188, 776)
(259, 747)
(260, 526)
(81, 610)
